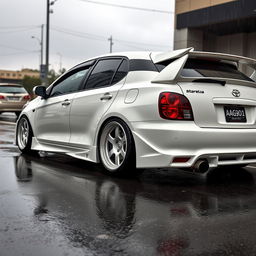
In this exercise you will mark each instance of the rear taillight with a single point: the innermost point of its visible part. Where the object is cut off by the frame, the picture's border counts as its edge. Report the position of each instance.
(2, 97)
(174, 106)
(26, 97)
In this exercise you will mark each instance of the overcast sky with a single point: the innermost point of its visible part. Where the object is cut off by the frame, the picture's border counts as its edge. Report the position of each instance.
(80, 30)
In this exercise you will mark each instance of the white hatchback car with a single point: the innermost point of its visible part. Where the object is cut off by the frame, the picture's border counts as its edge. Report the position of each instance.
(181, 109)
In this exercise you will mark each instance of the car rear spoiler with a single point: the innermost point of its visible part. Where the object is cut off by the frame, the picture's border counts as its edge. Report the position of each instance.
(171, 73)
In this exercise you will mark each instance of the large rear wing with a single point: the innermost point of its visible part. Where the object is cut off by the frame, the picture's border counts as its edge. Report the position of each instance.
(171, 73)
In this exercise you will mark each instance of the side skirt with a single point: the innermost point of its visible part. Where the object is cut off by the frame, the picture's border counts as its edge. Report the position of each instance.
(84, 153)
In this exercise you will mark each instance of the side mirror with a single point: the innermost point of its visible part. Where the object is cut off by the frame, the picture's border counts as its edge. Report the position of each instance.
(40, 91)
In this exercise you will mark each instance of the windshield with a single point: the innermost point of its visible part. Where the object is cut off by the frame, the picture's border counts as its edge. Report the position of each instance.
(206, 68)
(12, 89)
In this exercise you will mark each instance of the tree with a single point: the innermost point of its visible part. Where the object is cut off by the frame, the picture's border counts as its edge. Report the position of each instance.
(29, 83)
(53, 75)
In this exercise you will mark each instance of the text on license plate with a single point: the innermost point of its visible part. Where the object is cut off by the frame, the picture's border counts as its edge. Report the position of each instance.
(235, 114)
(13, 98)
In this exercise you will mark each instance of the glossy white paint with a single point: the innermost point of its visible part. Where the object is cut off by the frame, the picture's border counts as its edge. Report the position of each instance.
(52, 118)
(74, 129)
(86, 112)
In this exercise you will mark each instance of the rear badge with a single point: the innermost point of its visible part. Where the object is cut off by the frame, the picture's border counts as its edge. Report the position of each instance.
(195, 91)
(236, 93)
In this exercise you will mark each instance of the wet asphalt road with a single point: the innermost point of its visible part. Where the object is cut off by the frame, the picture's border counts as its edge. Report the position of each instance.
(56, 205)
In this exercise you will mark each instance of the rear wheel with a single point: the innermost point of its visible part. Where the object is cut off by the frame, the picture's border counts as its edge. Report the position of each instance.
(24, 135)
(116, 148)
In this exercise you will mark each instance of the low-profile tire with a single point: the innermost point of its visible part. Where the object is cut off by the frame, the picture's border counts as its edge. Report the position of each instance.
(117, 149)
(24, 136)
(17, 113)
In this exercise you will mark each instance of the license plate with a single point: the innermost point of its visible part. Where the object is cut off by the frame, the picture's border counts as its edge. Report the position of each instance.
(13, 98)
(235, 114)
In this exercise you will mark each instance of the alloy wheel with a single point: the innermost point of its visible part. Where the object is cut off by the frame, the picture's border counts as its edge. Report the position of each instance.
(113, 145)
(23, 133)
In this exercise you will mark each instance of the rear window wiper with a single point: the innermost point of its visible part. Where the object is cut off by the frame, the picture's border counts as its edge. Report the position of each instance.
(210, 80)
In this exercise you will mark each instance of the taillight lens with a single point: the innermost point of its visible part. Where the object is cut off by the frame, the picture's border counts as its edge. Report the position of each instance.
(174, 106)
(2, 97)
(26, 97)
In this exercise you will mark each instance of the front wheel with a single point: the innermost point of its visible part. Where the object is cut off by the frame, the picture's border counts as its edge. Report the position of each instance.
(116, 148)
(24, 135)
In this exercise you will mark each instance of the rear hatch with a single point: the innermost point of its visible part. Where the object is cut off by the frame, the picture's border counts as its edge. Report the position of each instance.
(221, 96)
(216, 100)
(12, 93)
(214, 105)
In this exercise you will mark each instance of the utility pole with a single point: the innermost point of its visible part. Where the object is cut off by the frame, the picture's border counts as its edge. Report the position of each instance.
(47, 42)
(48, 12)
(42, 43)
(111, 43)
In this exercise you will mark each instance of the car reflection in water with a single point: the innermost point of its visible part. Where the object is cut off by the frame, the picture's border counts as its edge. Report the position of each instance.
(157, 214)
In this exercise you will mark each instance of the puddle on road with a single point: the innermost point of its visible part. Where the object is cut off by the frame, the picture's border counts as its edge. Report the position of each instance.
(7, 147)
(68, 200)
(56, 205)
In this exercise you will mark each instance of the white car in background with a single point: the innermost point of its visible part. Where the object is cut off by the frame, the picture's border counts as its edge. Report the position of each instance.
(180, 109)
(12, 98)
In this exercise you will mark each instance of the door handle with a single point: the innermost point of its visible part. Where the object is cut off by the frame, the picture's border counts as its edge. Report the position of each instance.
(106, 96)
(65, 103)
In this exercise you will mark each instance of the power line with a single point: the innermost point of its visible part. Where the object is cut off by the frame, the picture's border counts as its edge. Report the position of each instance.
(132, 46)
(19, 27)
(18, 53)
(14, 48)
(16, 31)
(127, 7)
(80, 34)
(145, 44)
(102, 38)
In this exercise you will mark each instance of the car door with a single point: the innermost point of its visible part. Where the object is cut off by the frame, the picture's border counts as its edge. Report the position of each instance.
(52, 122)
(88, 106)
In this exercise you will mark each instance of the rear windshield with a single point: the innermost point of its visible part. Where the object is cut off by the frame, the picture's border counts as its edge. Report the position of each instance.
(12, 89)
(205, 68)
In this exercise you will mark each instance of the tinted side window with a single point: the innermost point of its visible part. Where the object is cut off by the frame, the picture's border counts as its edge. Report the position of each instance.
(70, 84)
(102, 74)
(121, 72)
(142, 65)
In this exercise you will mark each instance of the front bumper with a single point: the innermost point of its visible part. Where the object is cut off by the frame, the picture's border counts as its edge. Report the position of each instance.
(158, 143)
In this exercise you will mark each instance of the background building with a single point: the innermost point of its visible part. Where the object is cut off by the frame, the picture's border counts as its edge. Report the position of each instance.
(11, 76)
(227, 26)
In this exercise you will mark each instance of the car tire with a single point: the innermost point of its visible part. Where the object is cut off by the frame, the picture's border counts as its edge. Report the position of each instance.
(117, 148)
(24, 135)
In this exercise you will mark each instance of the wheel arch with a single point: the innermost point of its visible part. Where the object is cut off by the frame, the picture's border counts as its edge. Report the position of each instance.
(16, 128)
(101, 126)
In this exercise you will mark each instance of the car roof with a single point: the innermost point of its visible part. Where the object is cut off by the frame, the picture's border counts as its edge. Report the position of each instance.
(130, 55)
(158, 57)
(10, 84)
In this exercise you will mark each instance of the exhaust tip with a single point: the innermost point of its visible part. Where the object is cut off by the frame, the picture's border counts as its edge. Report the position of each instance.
(201, 166)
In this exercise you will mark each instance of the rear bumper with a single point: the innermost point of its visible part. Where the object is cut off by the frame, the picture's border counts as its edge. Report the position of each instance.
(158, 143)
(11, 106)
